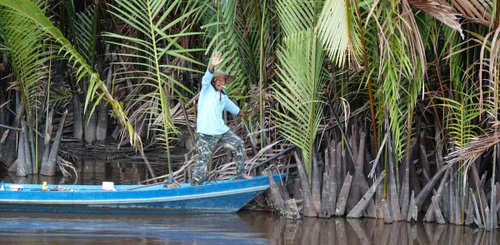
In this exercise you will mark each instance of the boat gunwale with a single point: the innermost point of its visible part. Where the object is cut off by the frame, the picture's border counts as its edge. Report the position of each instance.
(156, 199)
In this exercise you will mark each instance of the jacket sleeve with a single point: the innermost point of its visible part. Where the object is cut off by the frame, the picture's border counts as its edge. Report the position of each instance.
(207, 78)
(231, 107)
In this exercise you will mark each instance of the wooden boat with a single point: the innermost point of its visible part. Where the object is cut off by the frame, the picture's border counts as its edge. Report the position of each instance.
(223, 196)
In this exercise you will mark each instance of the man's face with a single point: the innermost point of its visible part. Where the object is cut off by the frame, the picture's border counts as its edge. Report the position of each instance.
(219, 83)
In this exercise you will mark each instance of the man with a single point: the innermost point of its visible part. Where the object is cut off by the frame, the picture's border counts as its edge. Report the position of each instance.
(210, 125)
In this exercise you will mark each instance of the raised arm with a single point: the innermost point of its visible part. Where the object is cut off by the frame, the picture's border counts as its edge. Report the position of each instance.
(209, 74)
(216, 60)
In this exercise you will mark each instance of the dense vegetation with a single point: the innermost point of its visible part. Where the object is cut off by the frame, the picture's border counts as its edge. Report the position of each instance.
(404, 93)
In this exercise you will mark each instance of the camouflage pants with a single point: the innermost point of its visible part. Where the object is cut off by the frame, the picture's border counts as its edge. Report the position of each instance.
(205, 147)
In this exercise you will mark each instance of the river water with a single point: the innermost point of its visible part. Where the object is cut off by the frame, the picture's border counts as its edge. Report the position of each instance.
(239, 229)
(245, 227)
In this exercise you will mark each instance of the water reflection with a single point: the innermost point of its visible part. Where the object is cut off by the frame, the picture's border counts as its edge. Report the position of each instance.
(241, 228)
(364, 231)
(36, 228)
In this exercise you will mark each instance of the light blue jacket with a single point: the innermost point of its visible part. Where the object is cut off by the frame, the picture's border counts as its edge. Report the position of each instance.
(211, 103)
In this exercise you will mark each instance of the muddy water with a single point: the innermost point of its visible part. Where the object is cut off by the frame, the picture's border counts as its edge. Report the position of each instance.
(241, 228)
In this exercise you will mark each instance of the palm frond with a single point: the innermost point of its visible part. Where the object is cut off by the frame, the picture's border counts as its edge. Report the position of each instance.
(477, 145)
(28, 55)
(462, 119)
(3, 47)
(299, 91)
(339, 32)
(489, 70)
(440, 10)
(85, 27)
(296, 16)
(246, 33)
(97, 89)
(476, 11)
(156, 39)
(401, 67)
(238, 39)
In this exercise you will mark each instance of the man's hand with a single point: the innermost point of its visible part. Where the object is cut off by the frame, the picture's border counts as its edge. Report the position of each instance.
(242, 114)
(216, 60)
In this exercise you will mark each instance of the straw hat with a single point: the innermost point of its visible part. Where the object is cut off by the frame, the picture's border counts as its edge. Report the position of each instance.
(227, 77)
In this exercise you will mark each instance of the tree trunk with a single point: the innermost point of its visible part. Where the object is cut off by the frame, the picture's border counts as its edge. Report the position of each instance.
(478, 186)
(405, 186)
(424, 162)
(387, 214)
(356, 212)
(276, 197)
(47, 137)
(412, 210)
(497, 205)
(393, 194)
(316, 184)
(309, 210)
(325, 196)
(344, 194)
(102, 122)
(422, 196)
(102, 118)
(77, 117)
(394, 197)
(379, 198)
(333, 178)
(438, 214)
(414, 180)
(469, 220)
(439, 147)
(359, 186)
(434, 211)
(493, 198)
(370, 211)
(456, 206)
(343, 163)
(49, 169)
(24, 164)
(90, 126)
(477, 219)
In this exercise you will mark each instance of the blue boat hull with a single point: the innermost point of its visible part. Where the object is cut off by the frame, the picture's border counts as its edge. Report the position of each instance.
(226, 196)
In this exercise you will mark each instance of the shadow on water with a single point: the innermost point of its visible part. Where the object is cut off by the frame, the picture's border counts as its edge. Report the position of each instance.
(241, 228)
